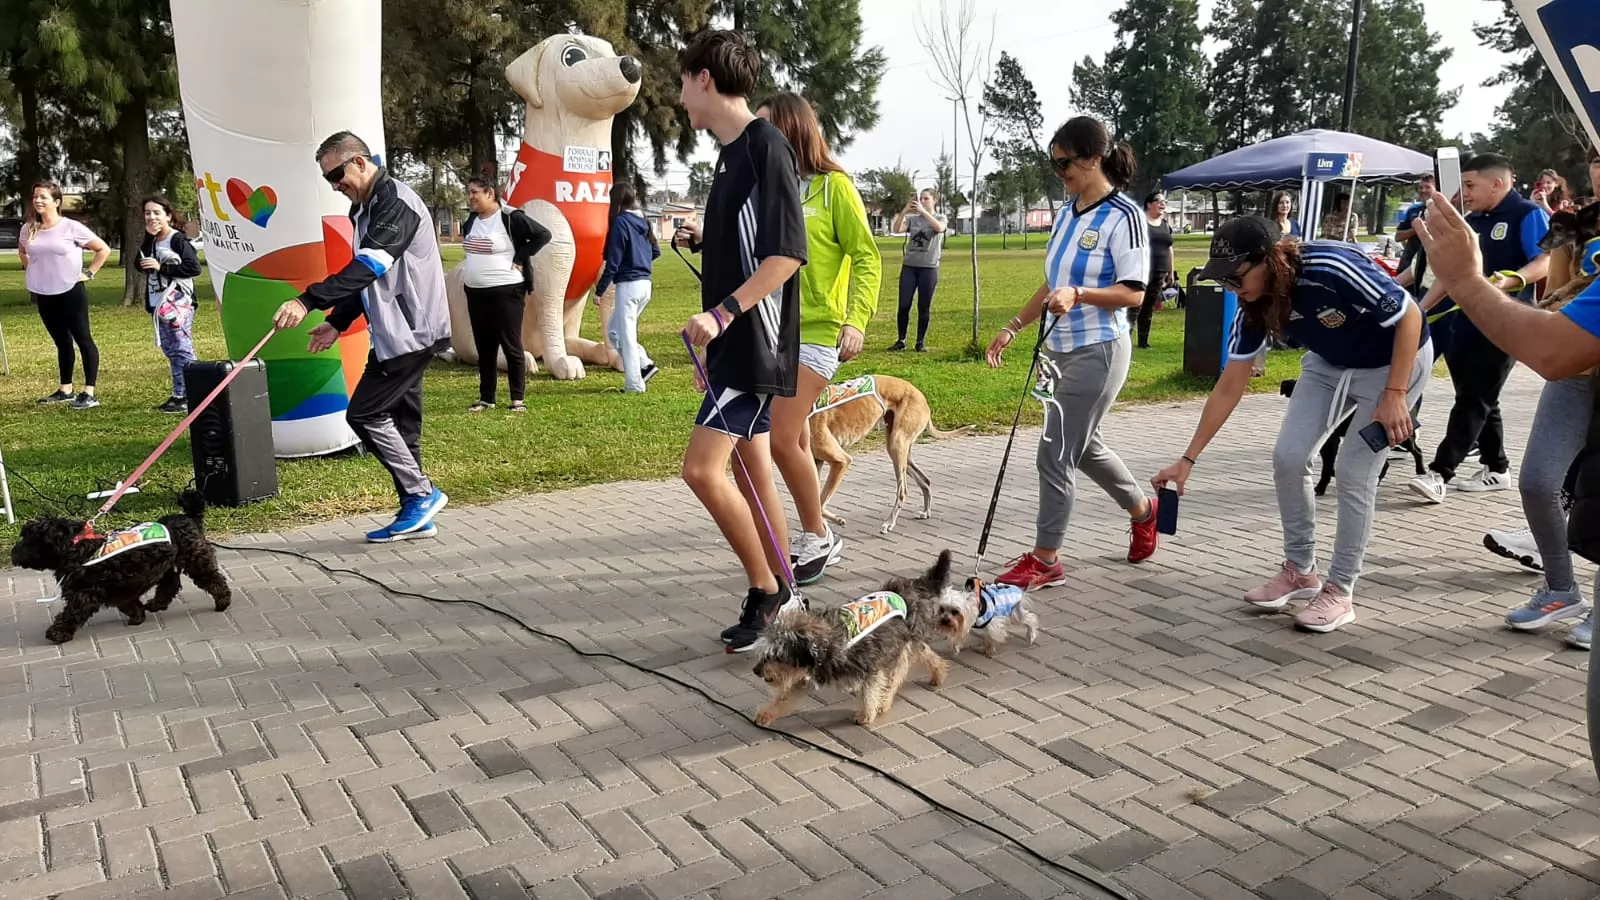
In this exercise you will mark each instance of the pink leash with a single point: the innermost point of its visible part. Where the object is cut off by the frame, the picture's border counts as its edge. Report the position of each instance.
(88, 527)
(772, 536)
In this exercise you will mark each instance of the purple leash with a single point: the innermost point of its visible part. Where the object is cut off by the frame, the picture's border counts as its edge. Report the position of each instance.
(772, 537)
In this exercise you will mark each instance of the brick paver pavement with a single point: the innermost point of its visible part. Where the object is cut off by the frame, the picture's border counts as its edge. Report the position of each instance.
(323, 739)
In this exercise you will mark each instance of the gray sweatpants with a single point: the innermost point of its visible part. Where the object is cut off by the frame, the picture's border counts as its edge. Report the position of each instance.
(1560, 428)
(1087, 382)
(1322, 397)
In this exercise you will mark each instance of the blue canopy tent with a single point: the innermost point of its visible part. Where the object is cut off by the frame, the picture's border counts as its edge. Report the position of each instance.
(1282, 163)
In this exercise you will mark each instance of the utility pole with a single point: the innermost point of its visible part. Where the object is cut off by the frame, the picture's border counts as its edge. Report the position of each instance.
(1350, 67)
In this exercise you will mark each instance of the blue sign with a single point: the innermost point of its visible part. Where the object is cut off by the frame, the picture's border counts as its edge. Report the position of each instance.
(1572, 30)
(1333, 166)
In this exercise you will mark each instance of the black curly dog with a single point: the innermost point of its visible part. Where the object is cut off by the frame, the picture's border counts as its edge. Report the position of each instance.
(1330, 447)
(48, 544)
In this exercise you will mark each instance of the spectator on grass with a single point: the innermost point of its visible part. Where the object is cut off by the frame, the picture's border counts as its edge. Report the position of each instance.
(1097, 263)
(838, 296)
(1367, 347)
(500, 243)
(631, 254)
(1162, 272)
(919, 267)
(397, 281)
(1550, 193)
(51, 249)
(1282, 214)
(169, 265)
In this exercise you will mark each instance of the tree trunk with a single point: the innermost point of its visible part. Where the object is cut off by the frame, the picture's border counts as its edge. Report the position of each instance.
(483, 160)
(621, 152)
(30, 167)
(133, 127)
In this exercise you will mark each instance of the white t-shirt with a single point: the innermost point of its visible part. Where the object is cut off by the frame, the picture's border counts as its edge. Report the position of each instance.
(489, 254)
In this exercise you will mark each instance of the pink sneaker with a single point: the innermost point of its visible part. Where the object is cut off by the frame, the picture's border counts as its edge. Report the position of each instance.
(1289, 584)
(1331, 610)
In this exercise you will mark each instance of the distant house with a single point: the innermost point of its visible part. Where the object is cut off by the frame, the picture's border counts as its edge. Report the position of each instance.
(667, 218)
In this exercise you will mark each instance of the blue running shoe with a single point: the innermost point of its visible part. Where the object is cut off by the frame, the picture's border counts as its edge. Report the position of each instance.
(1547, 606)
(417, 512)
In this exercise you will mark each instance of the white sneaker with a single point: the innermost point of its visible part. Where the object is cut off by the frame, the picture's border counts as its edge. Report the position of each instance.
(813, 554)
(1484, 480)
(1429, 486)
(1515, 545)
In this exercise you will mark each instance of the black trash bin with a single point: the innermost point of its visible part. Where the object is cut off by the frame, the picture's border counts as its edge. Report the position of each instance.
(1207, 323)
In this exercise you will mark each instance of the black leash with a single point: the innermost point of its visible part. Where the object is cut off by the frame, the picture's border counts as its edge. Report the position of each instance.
(686, 262)
(1005, 458)
(1092, 883)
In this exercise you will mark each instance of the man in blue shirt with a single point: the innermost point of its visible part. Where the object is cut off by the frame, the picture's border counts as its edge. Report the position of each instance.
(1406, 234)
(1509, 229)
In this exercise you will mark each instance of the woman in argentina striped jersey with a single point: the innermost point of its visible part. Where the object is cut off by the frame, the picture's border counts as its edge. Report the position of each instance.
(1096, 266)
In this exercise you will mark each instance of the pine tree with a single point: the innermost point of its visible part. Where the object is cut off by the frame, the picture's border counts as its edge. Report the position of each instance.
(1535, 126)
(1398, 94)
(1093, 94)
(1010, 97)
(1235, 75)
(1280, 72)
(1158, 72)
(40, 47)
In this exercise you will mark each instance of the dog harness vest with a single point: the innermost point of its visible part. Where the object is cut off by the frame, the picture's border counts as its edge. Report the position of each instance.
(846, 391)
(138, 536)
(1589, 257)
(996, 601)
(584, 197)
(860, 617)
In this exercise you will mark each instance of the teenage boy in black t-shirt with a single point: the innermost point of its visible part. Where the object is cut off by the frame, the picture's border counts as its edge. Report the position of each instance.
(754, 243)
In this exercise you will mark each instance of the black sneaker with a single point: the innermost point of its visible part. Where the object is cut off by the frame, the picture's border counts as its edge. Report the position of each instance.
(176, 406)
(648, 372)
(59, 396)
(86, 400)
(813, 555)
(897, 346)
(758, 609)
(922, 348)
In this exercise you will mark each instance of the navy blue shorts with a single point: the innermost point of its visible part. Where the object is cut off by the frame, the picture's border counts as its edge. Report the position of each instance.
(735, 413)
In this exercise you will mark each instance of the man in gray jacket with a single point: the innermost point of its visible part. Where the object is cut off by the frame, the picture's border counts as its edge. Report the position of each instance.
(396, 280)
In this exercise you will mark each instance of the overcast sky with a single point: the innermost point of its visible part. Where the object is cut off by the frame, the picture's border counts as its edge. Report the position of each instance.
(915, 114)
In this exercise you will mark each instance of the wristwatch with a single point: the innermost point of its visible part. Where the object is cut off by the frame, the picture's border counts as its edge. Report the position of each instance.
(89, 274)
(731, 307)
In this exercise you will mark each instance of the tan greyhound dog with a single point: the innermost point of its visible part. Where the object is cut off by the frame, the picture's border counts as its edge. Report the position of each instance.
(849, 411)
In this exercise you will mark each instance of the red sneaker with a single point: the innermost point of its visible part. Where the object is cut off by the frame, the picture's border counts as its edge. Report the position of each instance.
(1030, 573)
(1142, 537)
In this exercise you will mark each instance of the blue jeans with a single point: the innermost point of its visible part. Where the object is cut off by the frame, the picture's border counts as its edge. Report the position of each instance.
(623, 329)
(176, 340)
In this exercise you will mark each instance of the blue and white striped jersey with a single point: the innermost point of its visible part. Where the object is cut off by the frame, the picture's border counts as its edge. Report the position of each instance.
(1098, 247)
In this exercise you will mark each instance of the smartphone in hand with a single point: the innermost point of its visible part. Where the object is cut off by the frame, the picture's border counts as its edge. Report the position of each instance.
(1377, 436)
(1167, 511)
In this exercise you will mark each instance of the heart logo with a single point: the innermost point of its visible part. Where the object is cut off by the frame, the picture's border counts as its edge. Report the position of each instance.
(255, 204)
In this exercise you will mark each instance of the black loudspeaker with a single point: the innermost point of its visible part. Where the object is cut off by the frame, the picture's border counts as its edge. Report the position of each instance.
(232, 438)
(1205, 331)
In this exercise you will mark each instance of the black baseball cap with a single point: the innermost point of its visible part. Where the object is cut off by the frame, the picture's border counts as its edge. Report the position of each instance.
(1247, 238)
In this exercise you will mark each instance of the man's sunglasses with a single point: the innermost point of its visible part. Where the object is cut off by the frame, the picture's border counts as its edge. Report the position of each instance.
(336, 174)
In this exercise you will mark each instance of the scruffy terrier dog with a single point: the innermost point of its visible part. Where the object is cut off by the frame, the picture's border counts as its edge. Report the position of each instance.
(865, 648)
(991, 611)
(116, 570)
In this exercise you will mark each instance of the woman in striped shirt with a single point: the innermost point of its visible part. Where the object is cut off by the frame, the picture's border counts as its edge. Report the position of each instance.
(1096, 266)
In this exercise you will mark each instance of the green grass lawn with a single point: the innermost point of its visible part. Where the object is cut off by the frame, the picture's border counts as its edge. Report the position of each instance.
(576, 432)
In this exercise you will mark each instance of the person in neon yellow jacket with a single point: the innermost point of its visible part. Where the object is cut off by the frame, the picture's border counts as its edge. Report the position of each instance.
(838, 297)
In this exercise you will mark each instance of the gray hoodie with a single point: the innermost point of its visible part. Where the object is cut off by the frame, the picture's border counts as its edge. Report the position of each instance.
(396, 278)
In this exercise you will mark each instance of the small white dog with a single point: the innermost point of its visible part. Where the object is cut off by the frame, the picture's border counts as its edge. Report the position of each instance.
(990, 610)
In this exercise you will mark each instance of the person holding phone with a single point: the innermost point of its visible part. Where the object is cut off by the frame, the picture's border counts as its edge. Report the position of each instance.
(919, 267)
(1096, 265)
(1368, 348)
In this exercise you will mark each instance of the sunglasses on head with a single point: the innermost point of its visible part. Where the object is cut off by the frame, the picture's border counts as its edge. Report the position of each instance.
(336, 174)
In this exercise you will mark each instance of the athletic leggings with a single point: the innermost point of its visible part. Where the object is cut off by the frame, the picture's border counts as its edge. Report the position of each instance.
(920, 281)
(1560, 427)
(66, 318)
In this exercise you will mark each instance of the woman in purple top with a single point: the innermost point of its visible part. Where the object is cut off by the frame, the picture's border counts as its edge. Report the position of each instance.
(51, 249)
